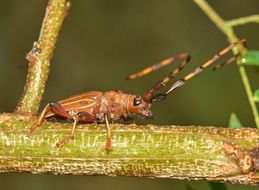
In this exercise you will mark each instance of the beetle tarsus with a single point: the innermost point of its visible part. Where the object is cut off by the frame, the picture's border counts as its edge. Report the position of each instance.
(108, 144)
(32, 130)
(64, 141)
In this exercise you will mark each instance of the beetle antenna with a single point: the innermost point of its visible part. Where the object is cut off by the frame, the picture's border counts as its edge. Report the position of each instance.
(159, 65)
(199, 69)
(234, 58)
(148, 96)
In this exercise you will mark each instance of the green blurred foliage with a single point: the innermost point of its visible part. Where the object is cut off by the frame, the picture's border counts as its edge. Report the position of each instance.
(256, 95)
(102, 42)
(234, 121)
(218, 186)
(251, 58)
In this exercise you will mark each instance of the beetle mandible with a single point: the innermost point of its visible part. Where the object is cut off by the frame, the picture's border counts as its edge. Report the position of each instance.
(110, 106)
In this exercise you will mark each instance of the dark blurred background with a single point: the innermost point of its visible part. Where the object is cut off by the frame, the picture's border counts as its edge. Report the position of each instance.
(102, 42)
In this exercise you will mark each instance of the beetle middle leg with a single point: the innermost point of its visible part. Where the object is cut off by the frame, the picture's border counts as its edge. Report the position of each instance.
(108, 144)
(82, 117)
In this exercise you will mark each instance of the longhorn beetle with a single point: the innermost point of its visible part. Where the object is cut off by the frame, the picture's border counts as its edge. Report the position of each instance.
(110, 106)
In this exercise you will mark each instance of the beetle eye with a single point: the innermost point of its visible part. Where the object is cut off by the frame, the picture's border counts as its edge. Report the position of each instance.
(136, 101)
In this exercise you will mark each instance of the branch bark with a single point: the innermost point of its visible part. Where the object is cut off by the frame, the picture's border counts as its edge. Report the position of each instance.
(40, 55)
(180, 152)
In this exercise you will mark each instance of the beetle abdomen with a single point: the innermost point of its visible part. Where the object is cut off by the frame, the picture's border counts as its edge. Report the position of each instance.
(85, 102)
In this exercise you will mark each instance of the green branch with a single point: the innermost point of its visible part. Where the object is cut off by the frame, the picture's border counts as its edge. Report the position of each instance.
(40, 55)
(243, 20)
(226, 28)
(177, 152)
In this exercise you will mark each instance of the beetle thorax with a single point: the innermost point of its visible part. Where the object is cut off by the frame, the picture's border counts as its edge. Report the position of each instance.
(116, 104)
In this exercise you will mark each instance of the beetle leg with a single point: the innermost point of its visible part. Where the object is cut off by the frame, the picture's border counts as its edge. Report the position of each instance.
(52, 106)
(81, 117)
(108, 144)
(71, 136)
(59, 110)
(40, 120)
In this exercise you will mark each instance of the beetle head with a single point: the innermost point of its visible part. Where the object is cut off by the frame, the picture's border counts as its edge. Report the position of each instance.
(138, 106)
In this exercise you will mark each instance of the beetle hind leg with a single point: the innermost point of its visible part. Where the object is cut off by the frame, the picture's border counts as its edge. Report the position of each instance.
(40, 120)
(55, 108)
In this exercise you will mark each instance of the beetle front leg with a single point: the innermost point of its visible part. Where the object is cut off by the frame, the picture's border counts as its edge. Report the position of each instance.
(55, 108)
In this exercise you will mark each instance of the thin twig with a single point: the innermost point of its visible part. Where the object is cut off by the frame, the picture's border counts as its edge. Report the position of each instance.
(40, 55)
(243, 20)
(228, 31)
(179, 152)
